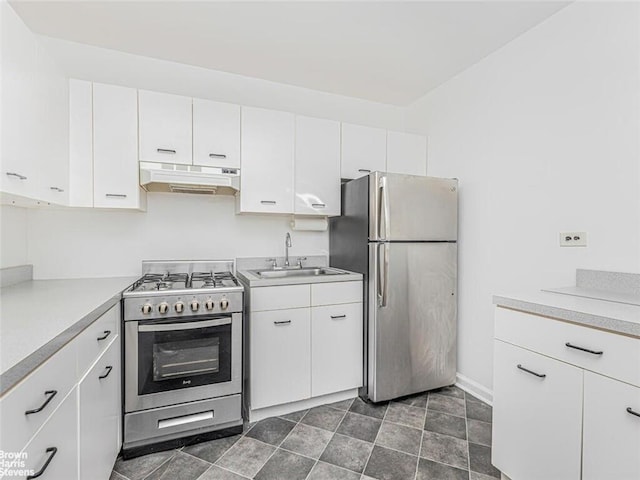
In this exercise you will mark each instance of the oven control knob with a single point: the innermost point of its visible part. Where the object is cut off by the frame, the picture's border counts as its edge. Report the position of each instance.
(224, 304)
(195, 306)
(179, 307)
(209, 304)
(163, 307)
(146, 308)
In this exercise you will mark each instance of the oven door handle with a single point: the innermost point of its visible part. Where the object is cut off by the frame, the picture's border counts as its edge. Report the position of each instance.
(171, 327)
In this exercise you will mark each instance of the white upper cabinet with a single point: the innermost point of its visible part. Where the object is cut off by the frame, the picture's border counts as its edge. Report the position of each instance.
(80, 143)
(267, 161)
(165, 128)
(364, 150)
(34, 99)
(317, 167)
(406, 153)
(115, 147)
(216, 134)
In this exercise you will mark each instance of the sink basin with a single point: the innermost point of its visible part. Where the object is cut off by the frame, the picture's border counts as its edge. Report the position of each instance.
(297, 272)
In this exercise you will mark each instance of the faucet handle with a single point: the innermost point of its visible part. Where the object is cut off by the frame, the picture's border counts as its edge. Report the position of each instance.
(300, 259)
(274, 262)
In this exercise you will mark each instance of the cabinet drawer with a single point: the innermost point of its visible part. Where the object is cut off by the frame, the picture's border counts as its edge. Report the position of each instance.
(278, 298)
(336, 293)
(96, 338)
(49, 384)
(99, 394)
(59, 433)
(537, 415)
(620, 357)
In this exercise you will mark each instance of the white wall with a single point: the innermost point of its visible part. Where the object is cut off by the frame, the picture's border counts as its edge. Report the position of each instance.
(87, 62)
(89, 243)
(13, 236)
(544, 137)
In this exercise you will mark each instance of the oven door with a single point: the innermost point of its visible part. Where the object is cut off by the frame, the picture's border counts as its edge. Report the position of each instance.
(172, 361)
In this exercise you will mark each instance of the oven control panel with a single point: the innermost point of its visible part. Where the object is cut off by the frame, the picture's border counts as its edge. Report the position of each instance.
(158, 306)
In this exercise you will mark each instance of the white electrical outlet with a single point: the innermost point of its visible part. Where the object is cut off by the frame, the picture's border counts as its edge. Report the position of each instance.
(573, 239)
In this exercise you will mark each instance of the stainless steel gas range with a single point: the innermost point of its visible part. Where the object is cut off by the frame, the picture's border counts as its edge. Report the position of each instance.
(182, 355)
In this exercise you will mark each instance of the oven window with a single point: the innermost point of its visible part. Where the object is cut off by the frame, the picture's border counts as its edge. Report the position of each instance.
(185, 358)
(174, 355)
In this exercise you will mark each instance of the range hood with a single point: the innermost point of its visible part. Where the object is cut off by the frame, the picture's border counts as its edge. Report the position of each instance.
(168, 177)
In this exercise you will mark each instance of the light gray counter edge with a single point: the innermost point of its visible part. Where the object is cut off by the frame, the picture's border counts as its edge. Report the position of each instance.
(25, 367)
(596, 321)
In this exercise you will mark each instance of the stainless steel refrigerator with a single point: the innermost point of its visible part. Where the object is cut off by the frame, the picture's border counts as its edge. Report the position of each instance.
(400, 232)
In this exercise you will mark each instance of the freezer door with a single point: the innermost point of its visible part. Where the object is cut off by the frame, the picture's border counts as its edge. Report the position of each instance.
(412, 208)
(411, 318)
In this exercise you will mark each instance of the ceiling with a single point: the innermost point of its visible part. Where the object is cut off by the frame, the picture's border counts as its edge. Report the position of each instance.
(389, 52)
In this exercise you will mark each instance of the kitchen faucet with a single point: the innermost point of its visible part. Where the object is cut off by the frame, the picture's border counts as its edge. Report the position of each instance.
(287, 245)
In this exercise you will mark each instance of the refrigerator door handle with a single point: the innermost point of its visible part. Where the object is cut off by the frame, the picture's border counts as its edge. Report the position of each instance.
(383, 210)
(383, 273)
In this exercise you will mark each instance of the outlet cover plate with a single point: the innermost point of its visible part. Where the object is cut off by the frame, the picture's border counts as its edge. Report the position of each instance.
(573, 239)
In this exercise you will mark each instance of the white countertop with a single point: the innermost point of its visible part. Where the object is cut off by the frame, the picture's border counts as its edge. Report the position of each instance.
(35, 312)
(578, 306)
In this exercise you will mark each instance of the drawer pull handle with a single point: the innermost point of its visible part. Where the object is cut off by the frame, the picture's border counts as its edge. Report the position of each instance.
(105, 375)
(282, 322)
(268, 202)
(49, 394)
(115, 195)
(539, 375)
(582, 349)
(364, 170)
(17, 175)
(52, 451)
(217, 155)
(318, 205)
(337, 317)
(630, 410)
(166, 150)
(106, 334)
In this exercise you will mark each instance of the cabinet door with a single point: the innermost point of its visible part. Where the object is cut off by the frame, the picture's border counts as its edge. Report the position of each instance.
(267, 161)
(80, 143)
(406, 153)
(611, 433)
(165, 128)
(537, 421)
(116, 181)
(280, 357)
(317, 167)
(364, 150)
(99, 406)
(59, 433)
(216, 134)
(336, 348)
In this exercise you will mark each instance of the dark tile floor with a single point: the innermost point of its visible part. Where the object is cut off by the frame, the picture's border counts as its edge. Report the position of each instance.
(445, 434)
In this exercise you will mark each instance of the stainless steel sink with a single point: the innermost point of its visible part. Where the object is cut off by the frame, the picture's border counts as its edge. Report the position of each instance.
(297, 272)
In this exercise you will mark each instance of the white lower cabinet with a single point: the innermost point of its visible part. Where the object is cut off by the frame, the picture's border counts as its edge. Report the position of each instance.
(280, 357)
(537, 415)
(611, 445)
(99, 415)
(555, 415)
(336, 348)
(66, 414)
(305, 341)
(53, 451)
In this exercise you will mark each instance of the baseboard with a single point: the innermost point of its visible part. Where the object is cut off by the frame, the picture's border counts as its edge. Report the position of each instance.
(277, 410)
(474, 388)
